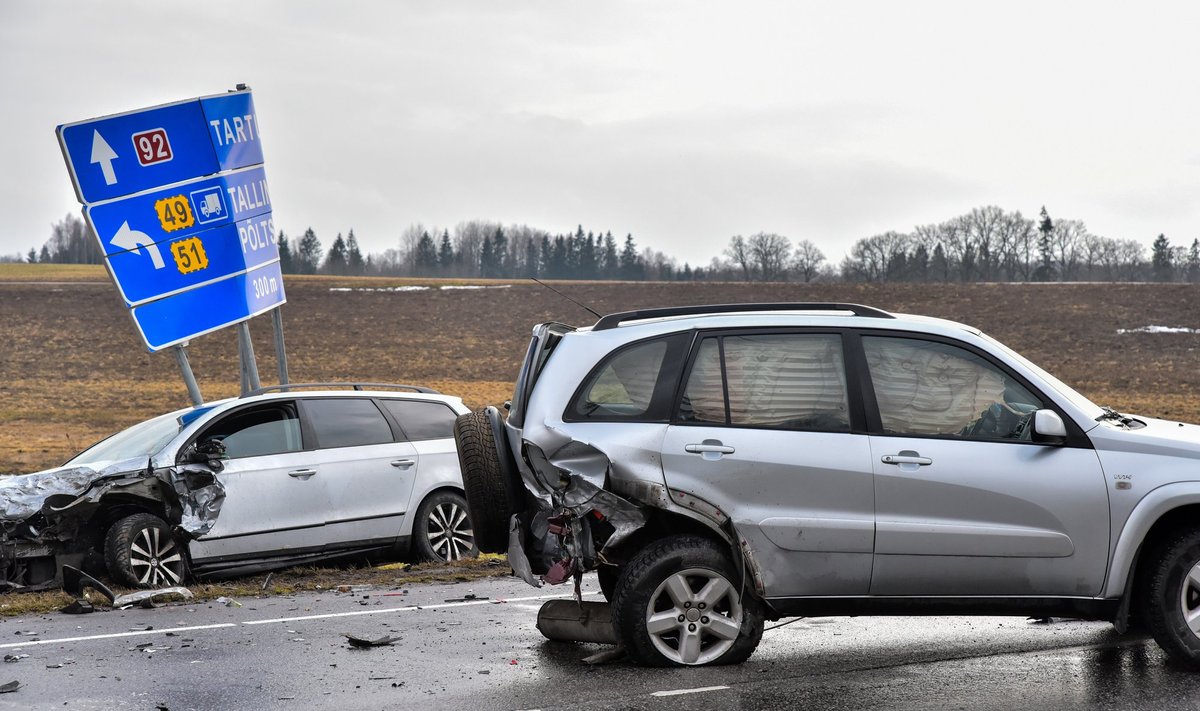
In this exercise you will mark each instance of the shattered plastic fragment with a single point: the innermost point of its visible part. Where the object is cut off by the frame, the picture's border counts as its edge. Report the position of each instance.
(149, 596)
(10, 687)
(363, 643)
(78, 607)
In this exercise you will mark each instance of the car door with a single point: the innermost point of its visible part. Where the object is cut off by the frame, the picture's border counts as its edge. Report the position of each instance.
(366, 467)
(766, 432)
(429, 426)
(966, 503)
(274, 503)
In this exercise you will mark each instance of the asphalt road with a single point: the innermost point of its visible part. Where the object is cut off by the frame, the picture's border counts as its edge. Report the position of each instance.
(462, 653)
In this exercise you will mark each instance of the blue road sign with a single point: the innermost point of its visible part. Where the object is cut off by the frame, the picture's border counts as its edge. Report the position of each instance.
(194, 260)
(127, 153)
(168, 213)
(175, 319)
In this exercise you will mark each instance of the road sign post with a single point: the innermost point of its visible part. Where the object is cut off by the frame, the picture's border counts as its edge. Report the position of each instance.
(178, 198)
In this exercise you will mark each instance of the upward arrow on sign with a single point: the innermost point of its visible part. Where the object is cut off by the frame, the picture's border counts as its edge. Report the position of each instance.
(103, 154)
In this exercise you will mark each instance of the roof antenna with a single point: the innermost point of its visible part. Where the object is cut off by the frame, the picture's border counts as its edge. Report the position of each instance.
(573, 301)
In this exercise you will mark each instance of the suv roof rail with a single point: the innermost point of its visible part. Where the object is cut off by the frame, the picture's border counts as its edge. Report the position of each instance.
(355, 386)
(614, 320)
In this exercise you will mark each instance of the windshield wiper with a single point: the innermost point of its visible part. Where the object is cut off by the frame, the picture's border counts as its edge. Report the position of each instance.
(1111, 414)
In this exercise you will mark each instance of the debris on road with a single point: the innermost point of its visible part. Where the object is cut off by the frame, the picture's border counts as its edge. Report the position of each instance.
(227, 602)
(267, 582)
(604, 657)
(14, 658)
(79, 607)
(146, 598)
(363, 643)
(10, 687)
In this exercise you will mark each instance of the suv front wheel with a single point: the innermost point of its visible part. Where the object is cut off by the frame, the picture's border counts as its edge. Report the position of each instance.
(140, 553)
(1172, 598)
(681, 602)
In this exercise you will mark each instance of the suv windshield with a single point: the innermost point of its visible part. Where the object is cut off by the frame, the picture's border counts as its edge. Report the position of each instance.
(141, 440)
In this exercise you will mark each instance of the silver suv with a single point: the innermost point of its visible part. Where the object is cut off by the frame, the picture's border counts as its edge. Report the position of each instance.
(722, 465)
(282, 476)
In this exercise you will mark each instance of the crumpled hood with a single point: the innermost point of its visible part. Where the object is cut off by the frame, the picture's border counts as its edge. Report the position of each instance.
(22, 496)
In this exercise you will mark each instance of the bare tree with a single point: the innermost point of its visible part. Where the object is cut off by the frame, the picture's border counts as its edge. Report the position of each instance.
(770, 253)
(738, 252)
(806, 260)
(1067, 244)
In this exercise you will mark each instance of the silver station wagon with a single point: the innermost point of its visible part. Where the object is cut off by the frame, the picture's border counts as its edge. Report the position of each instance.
(722, 465)
(280, 477)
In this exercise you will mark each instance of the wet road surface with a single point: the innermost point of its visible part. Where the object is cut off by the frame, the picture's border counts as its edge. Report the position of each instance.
(458, 652)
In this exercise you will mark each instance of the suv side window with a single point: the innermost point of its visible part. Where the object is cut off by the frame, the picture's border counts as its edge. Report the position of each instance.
(347, 422)
(794, 381)
(257, 431)
(421, 419)
(634, 383)
(932, 388)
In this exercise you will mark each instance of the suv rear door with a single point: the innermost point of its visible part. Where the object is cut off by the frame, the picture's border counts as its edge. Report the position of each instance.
(966, 502)
(769, 430)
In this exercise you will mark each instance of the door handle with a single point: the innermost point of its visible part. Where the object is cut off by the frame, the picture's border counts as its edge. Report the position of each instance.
(906, 457)
(302, 473)
(710, 449)
(403, 463)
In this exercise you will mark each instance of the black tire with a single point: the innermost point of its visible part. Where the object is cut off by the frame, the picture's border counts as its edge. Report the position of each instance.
(140, 552)
(727, 634)
(442, 530)
(1173, 585)
(607, 576)
(493, 487)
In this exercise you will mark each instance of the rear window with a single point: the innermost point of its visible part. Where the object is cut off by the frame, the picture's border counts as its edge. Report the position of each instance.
(633, 383)
(421, 419)
(346, 422)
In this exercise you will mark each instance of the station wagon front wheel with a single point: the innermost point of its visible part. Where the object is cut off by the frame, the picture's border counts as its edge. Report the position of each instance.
(140, 552)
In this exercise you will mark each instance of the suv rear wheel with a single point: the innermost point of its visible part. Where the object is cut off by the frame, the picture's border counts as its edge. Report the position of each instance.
(681, 602)
(1172, 598)
(139, 552)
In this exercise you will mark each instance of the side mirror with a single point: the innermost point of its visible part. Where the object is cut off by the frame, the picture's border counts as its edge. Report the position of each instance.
(1048, 427)
(209, 452)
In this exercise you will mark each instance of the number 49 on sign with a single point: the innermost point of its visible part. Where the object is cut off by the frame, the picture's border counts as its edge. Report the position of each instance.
(174, 213)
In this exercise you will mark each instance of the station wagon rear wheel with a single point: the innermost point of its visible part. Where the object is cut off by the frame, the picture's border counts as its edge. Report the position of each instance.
(140, 552)
(1171, 598)
(680, 602)
(443, 530)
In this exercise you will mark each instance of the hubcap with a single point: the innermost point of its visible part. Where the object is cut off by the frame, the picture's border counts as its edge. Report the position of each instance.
(694, 616)
(155, 558)
(450, 534)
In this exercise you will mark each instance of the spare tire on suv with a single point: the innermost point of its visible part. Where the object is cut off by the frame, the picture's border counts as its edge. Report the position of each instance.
(490, 478)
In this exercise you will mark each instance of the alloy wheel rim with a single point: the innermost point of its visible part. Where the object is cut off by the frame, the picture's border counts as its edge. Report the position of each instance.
(450, 534)
(694, 616)
(155, 558)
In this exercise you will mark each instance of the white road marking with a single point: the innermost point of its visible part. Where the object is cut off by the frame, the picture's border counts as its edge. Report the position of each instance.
(681, 692)
(408, 608)
(136, 633)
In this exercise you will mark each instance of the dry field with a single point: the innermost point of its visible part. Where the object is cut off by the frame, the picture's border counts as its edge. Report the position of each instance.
(72, 369)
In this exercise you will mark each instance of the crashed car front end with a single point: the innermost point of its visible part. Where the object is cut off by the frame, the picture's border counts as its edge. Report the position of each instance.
(57, 517)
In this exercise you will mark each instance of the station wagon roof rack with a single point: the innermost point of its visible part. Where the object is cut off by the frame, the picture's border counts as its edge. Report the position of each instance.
(614, 320)
(355, 386)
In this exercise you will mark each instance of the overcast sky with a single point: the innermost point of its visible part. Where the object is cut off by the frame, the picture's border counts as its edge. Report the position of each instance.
(681, 122)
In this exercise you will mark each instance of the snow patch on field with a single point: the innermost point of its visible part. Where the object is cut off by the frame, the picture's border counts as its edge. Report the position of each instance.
(1159, 329)
(418, 288)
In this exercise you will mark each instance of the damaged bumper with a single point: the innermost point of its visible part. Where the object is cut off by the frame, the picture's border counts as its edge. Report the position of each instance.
(57, 517)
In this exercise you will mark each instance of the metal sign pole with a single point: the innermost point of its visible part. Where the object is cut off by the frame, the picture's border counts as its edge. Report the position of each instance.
(249, 366)
(189, 378)
(280, 351)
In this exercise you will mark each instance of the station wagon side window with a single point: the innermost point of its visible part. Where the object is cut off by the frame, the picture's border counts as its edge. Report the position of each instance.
(634, 383)
(929, 388)
(422, 419)
(346, 422)
(793, 381)
(257, 431)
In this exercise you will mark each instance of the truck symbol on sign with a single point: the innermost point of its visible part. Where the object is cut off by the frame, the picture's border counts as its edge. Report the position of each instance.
(210, 204)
